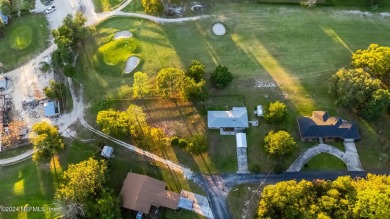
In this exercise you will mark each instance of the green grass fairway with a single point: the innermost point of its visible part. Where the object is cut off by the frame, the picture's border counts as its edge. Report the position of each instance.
(324, 161)
(116, 52)
(102, 81)
(24, 37)
(20, 38)
(106, 5)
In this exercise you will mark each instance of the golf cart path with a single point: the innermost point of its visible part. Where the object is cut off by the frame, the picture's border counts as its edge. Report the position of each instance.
(16, 159)
(350, 157)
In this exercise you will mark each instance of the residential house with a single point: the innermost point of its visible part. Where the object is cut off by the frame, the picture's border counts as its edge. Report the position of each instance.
(140, 193)
(320, 125)
(228, 122)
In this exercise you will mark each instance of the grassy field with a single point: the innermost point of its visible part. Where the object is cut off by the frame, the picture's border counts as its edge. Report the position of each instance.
(298, 52)
(106, 5)
(11, 152)
(25, 37)
(34, 185)
(324, 161)
(238, 198)
(134, 6)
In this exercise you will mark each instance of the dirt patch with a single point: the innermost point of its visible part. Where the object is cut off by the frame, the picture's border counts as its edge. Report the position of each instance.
(219, 29)
(123, 34)
(131, 64)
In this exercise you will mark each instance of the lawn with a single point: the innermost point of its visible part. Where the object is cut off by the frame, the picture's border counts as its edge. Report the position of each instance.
(238, 198)
(106, 5)
(12, 152)
(34, 185)
(324, 161)
(134, 6)
(26, 184)
(298, 51)
(24, 37)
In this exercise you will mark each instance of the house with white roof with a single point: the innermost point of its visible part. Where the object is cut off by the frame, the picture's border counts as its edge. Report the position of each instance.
(228, 122)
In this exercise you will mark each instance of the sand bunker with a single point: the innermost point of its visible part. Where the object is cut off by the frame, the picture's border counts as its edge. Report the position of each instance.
(219, 29)
(122, 34)
(131, 63)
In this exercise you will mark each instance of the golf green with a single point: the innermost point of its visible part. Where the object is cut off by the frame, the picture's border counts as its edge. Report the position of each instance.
(117, 51)
(20, 38)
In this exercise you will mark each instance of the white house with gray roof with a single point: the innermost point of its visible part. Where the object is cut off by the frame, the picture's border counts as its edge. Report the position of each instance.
(229, 122)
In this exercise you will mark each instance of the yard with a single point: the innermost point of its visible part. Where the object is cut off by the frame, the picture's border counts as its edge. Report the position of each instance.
(24, 37)
(298, 52)
(29, 184)
(238, 200)
(106, 5)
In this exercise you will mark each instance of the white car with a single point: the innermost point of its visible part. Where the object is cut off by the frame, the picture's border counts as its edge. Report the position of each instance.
(50, 9)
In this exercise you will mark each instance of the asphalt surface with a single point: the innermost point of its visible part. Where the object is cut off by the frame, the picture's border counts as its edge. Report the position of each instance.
(217, 186)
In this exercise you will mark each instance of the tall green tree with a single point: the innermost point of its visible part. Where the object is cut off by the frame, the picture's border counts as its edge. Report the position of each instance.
(5, 7)
(84, 185)
(376, 59)
(198, 144)
(196, 71)
(116, 123)
(55, 90)
(67, 37)
(343, 198)
(153, 6)
(140, 85)
(194, 91)
(276, 112)
(170, 82)
(279, 143)
(46, 140)
(356, 89)
(221, 77)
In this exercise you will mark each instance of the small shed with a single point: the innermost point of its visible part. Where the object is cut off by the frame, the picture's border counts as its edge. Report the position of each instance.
(259, 110)
(4, 85)
(241, 140)
(139, 215)
(51, 109)
(3, 18)
(185, 203)
(107, 151)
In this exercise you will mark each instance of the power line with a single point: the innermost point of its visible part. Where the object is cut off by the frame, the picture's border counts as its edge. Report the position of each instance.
(257, 190)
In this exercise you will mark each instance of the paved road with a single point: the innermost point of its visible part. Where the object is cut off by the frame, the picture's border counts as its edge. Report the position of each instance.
(231, 180)
(16, 159)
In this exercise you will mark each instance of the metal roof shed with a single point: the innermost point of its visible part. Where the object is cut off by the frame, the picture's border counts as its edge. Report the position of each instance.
(107, 151)
(3, 18)
(51, 109)
(185, 203)
(241, 140)
(4, 83)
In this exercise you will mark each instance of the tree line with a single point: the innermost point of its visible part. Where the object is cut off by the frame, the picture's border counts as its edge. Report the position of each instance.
(175, 83)
(343, 198)
(363, 87)
(82, 190)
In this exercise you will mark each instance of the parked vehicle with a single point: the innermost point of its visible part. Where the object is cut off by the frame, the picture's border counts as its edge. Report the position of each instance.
(50, 9)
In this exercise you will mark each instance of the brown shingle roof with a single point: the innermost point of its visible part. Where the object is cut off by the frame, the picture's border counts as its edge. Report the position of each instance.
(140, 192)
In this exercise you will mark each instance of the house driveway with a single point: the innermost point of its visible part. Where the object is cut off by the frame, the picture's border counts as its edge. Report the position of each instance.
(242, 160)
(350, 157)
